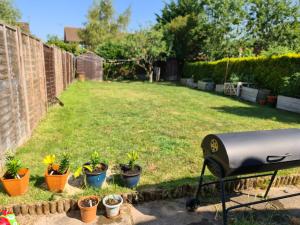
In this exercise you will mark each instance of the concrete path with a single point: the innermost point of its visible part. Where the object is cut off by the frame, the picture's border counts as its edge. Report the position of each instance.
(172, 212)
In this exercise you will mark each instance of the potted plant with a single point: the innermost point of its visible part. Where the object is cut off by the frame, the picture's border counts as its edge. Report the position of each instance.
(131, 172)
(112, 205)
(94, 170)
(88, 208)
(16, 178)
(56, 175)
(271, 99)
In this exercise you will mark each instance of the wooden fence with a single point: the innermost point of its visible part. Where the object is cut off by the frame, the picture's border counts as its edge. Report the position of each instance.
(60, 71)
(23, 87)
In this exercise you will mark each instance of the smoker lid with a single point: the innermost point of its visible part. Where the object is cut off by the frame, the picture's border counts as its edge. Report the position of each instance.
(261, 146)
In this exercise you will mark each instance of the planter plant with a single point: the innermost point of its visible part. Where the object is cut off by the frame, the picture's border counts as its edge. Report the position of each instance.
(131, 172)
(16, 178)
(94, 171)
(88, 208)
(112, 205)
(56, 175)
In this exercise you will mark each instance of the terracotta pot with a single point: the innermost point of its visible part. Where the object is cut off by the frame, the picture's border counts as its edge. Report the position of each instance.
(81, 77)
(271, 99)
(15, 187)
(262, 102)
(56, 183)
(88, 214)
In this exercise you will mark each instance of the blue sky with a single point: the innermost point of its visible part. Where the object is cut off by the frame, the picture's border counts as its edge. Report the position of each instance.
(51, 16)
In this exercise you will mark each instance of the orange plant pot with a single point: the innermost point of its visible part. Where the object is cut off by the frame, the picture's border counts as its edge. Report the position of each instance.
(15, 187)
(88, 214)
(56, 183)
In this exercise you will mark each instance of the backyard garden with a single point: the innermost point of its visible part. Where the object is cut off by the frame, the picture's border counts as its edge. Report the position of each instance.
(112, 114)
(163, 123)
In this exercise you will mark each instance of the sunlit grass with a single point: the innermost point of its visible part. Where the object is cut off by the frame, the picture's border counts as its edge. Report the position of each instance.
(164, 123)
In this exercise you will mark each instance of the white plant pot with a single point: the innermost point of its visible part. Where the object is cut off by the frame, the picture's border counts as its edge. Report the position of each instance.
(112, 210)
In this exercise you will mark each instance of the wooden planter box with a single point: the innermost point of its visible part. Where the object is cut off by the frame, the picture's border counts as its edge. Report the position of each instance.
(191, 83)
(288, 104)
(220, 88)
(249, 94)
(263, 94)
(206, 86)
(185, 81)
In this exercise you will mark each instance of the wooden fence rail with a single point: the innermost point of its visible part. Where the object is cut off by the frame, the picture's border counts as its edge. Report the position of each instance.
(31, 75)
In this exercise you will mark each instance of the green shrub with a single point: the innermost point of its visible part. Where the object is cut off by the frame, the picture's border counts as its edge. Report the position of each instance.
(264, 72)
(291, 85)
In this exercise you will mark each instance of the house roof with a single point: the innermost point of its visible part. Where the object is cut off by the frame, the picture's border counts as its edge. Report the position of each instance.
(71, 34)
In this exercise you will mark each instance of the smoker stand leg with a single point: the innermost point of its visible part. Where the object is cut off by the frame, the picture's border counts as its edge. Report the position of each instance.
(270, 184)
(193, 204)
(223, 199)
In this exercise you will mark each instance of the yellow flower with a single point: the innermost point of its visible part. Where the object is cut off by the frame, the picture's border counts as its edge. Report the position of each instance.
(49, 159)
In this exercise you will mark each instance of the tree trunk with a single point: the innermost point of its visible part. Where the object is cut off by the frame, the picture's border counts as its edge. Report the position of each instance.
(151, 76)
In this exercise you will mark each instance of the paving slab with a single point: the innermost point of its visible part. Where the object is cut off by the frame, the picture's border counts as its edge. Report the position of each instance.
(173, 212)
(73, 218)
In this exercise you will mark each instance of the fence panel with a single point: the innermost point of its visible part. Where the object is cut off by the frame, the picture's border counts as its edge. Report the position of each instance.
(31, 75)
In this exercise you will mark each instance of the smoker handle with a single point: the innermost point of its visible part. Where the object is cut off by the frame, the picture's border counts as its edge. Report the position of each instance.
(277, 158)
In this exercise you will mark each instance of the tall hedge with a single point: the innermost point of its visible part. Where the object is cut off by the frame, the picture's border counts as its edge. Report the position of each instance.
(264, 72)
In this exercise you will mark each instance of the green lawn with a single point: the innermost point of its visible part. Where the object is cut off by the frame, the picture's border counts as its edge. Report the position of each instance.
(165, 123)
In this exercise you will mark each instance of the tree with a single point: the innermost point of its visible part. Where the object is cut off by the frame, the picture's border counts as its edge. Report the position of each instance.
(74, 48)
(103, 24)
(197, 29)
(147, 46)
(181, 22)
(272, 22)
(8, 13)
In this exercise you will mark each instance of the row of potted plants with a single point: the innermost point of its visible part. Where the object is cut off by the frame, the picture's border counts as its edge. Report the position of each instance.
(16, 178)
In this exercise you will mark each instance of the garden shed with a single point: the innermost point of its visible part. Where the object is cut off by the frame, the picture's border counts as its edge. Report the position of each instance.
(90, 65)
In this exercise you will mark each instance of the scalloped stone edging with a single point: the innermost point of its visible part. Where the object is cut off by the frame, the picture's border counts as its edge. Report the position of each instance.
(66, 205)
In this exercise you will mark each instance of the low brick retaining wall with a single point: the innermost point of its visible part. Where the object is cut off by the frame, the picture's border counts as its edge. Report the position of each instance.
(66, 205)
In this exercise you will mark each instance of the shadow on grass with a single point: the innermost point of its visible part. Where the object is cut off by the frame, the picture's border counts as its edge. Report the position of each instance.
(260, 112)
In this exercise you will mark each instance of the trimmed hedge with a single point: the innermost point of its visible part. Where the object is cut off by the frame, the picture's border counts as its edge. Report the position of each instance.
(264, 72)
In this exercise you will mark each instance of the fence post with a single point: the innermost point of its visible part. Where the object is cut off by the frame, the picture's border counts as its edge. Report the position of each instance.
(22, 78)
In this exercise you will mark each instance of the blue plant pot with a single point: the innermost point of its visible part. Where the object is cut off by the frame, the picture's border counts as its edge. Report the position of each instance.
(96, 180)
(131, 180)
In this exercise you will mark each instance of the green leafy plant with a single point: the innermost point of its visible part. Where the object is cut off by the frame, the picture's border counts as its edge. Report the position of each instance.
(234, 78)
(95, 160)
(13, 165)
(64, 163)
(133, 156)
(291, 85)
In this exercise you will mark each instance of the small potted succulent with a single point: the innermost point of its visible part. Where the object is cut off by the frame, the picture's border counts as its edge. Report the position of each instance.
(56, 175)
(112, 205)
(94, 170)
(131, 172)
(16, 178)
(88, 208)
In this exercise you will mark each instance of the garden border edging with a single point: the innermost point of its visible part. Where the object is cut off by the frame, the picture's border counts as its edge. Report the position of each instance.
(66, 205)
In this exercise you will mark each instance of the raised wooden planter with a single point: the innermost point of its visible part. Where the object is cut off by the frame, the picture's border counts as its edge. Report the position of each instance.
(263, 94)
(191, 83)
(206, 86)
(220, 88)
(249, 94)
(185, 81)
(288, 104)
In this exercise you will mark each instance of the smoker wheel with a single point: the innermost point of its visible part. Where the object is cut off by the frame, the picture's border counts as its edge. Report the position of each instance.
(192, 204)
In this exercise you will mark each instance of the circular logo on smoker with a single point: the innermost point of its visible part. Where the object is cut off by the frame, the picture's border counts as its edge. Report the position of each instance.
(214, 145)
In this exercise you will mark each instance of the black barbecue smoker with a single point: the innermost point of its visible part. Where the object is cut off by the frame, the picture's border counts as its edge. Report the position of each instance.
(233, 156)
